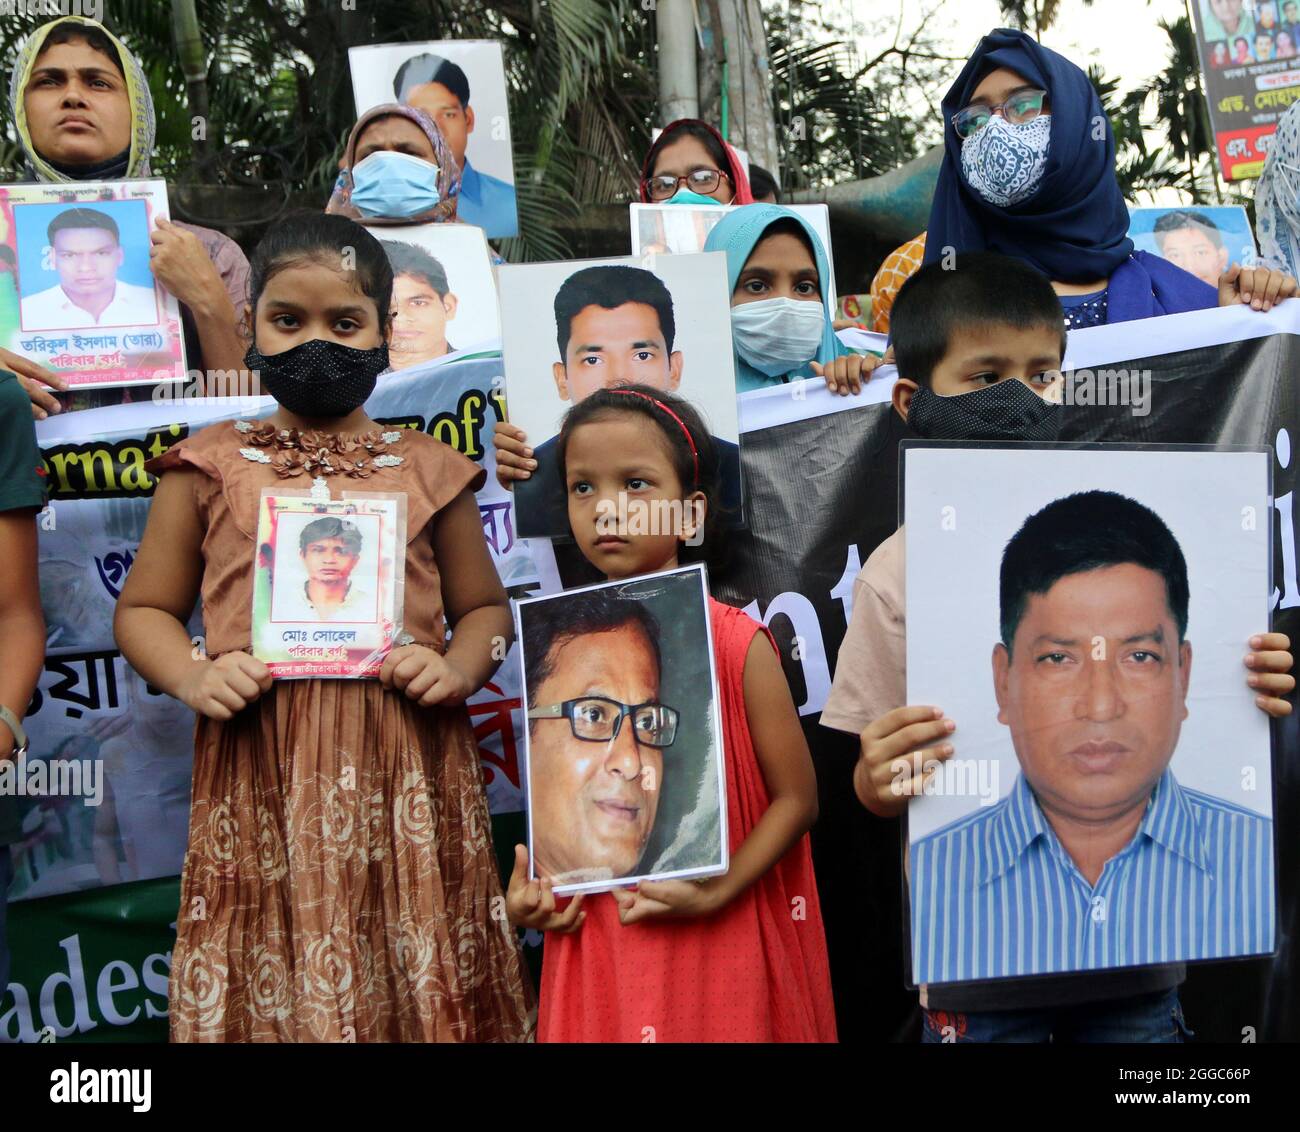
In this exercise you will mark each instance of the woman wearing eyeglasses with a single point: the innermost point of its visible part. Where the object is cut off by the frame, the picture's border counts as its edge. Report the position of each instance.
(1029, 171)
(690, 163)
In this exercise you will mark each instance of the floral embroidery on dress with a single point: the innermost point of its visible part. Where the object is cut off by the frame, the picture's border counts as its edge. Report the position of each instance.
(292, 452)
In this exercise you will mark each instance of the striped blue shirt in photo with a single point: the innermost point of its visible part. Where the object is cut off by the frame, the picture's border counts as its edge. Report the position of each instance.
(995, 893)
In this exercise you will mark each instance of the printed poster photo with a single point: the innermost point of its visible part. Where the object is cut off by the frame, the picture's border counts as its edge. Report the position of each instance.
(77, 293)
(461, 85)
(676, 229)
(571, 328)
(1108, 798)
(1203, 240)
(624, 756)
(327, 590)
(444, 295)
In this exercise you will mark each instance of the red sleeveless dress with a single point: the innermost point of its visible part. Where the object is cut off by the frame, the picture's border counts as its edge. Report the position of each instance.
(755, 972)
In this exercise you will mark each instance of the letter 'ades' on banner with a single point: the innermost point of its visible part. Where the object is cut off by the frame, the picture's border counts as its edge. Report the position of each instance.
(77, 292)
(626, 773)
(461, 85)
(327, 591)
(1092, 661)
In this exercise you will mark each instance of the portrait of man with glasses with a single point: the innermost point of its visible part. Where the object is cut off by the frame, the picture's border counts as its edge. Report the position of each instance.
(606, 738)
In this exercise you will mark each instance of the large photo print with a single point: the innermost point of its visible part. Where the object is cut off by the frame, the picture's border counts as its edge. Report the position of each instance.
(88, 306)
(572, 328)
(461, 85)
(1107, 801)
(624, 741)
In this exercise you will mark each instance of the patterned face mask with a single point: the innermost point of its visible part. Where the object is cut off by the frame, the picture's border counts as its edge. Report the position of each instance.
(1007, 410)
(1005, 163)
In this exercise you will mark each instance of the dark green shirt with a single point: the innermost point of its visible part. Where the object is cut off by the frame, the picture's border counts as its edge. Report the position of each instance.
(22, 486)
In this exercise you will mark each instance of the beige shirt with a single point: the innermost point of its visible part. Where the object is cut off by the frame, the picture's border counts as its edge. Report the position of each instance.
(871, 673)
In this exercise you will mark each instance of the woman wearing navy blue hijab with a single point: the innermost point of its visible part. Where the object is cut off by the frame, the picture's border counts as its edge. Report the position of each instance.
(1029, 171)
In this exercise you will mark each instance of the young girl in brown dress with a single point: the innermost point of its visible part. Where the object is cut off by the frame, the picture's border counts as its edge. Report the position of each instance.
(340, 883)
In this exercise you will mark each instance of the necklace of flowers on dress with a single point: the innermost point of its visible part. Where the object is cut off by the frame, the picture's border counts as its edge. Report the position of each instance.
(291, 452)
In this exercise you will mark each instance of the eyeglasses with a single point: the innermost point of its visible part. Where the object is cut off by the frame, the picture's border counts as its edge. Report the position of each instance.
(1023, 106)
(598, 719)
(702, 181)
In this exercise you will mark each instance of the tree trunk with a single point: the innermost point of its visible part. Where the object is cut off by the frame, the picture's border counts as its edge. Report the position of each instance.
(194, 65)
(734, 63)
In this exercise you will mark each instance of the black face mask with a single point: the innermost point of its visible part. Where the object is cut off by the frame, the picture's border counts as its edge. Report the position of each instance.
(319, 379)
(1008, 410)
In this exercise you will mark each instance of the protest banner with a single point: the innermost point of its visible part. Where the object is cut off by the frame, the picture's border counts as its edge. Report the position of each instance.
(822, 471)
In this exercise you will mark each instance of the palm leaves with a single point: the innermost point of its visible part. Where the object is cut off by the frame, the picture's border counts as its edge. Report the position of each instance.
(582, 96)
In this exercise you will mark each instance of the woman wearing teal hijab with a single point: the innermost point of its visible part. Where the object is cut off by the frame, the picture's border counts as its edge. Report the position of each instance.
(779, 277)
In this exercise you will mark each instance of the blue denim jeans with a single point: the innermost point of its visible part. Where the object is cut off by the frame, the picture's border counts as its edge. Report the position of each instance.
(1148, 1018)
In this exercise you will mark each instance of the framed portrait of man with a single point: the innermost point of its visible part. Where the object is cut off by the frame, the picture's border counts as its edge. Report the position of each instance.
(623, 746)
(461, 85)
(571, 328)
(77, 292)
(1081, 614)
(327, 591)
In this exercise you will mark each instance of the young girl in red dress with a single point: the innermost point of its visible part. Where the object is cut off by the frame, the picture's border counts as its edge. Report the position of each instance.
(739, 957)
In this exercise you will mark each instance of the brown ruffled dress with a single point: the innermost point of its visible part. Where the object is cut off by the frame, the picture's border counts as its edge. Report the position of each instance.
(340, 882)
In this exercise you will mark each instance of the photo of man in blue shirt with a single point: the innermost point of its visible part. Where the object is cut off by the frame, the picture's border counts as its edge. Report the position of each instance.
(440, 88)
(1097, 857)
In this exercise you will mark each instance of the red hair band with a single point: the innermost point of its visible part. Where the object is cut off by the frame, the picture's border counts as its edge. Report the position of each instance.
(690, 440)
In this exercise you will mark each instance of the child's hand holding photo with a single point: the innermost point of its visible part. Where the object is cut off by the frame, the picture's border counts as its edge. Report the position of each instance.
(531, 903)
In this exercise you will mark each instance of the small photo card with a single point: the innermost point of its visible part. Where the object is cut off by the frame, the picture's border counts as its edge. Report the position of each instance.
(327, 591)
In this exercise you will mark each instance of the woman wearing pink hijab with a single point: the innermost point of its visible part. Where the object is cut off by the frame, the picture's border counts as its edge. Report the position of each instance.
(690, 163)
(397, 169)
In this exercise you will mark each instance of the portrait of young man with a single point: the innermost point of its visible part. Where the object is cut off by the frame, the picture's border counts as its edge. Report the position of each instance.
(1194, 242)
(423, 305)
(598, 734)
(441, 89)
(329, 549)
(86, 249)
(1098, 856)
(614, 325)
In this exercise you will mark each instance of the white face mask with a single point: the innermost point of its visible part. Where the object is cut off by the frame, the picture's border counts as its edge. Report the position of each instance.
(1005, 163)
(776, 336)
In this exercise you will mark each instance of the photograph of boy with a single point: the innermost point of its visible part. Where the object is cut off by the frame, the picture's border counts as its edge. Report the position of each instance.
(440, 88)
(1098, 856)
(329, 550)
(423, 304)
(86, 248)
(598, 736)
(1193, 241)
(614, 325)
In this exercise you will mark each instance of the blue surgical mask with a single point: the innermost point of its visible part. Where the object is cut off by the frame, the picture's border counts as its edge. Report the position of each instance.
(776, 336)
(1005, 163)
(685, 196)
(394, 185)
